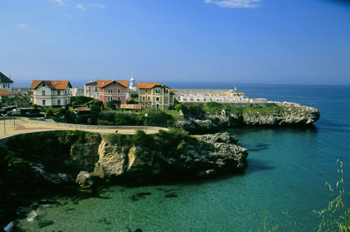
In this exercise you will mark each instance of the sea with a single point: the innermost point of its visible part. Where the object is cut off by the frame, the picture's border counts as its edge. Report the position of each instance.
(282, 187)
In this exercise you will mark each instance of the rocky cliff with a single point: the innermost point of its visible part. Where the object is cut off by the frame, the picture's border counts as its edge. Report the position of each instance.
(210, 155)
(283, 114)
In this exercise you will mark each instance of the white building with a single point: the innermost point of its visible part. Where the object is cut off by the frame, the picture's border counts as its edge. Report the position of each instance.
(5, 82)
(51, 93)
(91, 90)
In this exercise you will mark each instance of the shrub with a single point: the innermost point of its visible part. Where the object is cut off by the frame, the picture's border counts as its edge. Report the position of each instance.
(159, 118)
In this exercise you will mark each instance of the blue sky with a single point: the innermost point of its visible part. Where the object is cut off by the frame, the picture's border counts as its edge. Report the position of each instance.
(240, 41)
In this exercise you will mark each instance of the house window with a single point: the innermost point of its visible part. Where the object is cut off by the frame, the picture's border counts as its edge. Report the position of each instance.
(109, 98)
(65, 101)
(110, 90)
(89, 89)
(157, 90)
(96, 89)
(43, 84)
(148, 98)
(157, 98)
(118, 90)
(146, 90)
(4, 86)
(65, 92)
(58, 102)
(43, 93)
(166, 90)
(44, 102)
(148, 105)
(118, 98)
(143, 98)
(58, 92)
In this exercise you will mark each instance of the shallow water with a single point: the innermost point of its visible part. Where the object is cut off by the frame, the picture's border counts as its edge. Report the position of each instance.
(286, 176)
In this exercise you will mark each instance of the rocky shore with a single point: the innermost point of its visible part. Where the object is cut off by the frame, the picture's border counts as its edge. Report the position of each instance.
(292, 115)
(211, 155)
(61, 162)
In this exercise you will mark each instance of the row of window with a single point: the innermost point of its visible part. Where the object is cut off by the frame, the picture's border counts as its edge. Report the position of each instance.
(58, 102)
(111, 98)
(159, 90)
(111, 90)
(4, 86)
(58, 92)
(92, 89)
(149, 98)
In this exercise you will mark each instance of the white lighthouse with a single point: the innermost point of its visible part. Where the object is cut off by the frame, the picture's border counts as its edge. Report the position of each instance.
(132, 84)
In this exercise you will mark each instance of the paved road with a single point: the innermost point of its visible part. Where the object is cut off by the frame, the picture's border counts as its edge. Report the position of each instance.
(13, 127)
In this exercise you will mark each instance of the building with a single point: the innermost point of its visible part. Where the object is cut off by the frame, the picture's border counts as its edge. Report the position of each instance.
(112, 90)
(77, 92)
(5, 93)
(91, 90)
(51, 93)
(155, 95)
(5, 82)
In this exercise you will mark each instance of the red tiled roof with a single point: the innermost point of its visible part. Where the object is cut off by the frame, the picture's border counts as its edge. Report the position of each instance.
(51, 84)
(149, 85)
(6, 93)
(104, 83)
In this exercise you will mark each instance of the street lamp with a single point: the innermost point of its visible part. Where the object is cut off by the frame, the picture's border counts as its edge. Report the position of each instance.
(4, 115)
(146, 115)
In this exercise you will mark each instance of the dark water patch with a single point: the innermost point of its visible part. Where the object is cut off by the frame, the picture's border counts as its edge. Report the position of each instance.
(171, 190)
(136, 230)
(255, 165)
(139, 196)
(171, 195)
(258, 147)
(104, 221)
(44, 223)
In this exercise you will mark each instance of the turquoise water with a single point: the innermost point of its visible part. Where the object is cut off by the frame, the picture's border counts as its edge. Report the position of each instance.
(286, 176)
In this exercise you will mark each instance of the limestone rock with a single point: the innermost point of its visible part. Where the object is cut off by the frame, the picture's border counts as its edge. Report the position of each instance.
(85, 154)
(218, 138)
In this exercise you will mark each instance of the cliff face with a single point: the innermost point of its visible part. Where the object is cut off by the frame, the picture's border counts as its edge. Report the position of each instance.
(292, 115)
(129, 164)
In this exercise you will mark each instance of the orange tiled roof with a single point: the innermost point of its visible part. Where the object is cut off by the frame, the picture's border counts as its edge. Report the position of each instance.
(146, 85)
(6, 93)
(51, 84)
(149, 85)
(104, 83)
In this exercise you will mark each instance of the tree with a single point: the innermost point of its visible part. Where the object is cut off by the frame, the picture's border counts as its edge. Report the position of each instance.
(159, 118)
(113, 103)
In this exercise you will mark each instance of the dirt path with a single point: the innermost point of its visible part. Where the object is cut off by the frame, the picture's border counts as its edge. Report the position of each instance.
(13, 127)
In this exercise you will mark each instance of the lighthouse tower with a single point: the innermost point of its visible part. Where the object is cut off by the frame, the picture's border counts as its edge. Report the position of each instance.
(132, 84)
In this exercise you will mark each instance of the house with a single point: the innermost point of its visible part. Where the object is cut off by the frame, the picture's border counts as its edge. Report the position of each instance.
(155, 95)
(5, 93)
(91, 90)
(5, 82)
(112, 90)
(51, 93)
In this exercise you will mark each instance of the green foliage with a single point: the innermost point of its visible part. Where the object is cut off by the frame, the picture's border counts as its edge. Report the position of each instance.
(194, 110)
(113, 103)
(336, 217)
(178, 107)
(159, 118)
(80, 100)
(134, 95)
(166, 143)
(214, 108)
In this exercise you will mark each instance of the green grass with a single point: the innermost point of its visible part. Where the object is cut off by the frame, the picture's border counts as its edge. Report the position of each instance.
(171, 111)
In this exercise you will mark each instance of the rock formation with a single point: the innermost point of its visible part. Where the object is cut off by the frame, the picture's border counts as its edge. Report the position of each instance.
(292, 115)
(211, 155)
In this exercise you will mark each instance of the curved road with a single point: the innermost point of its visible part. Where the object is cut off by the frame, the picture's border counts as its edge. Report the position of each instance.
(13, 127)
